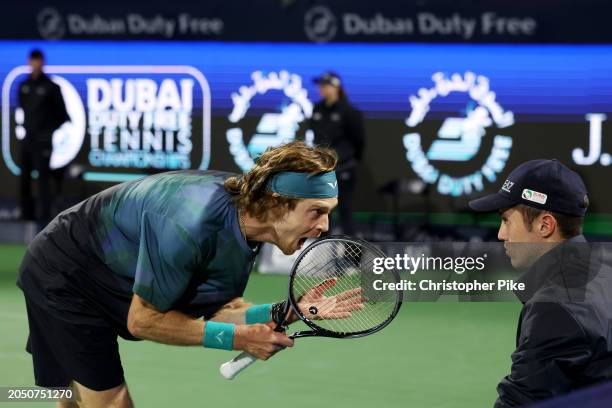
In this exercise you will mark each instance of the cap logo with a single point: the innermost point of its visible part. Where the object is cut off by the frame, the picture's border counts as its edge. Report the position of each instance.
(585, 202)
(534, 196)
(507, 186)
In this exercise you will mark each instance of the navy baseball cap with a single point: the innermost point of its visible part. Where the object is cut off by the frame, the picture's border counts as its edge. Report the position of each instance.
(543, 184)
(329, 78)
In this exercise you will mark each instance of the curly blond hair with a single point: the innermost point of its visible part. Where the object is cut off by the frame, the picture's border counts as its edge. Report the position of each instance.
(250, 191)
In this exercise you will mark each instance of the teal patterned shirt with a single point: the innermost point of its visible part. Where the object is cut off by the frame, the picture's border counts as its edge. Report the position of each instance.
(173, 238)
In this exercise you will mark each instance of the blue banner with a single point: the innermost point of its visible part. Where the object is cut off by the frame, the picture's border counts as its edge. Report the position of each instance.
(456, 117)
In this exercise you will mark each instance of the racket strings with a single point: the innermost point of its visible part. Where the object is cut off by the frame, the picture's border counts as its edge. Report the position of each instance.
(366, 317)
(314, 277)
(371, 313)
(342, 285)
(346, 263)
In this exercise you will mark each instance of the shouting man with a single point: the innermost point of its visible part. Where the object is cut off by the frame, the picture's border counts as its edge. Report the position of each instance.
(145, 259)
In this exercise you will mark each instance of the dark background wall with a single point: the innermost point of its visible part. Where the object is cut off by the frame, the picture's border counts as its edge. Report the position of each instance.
(548, 64)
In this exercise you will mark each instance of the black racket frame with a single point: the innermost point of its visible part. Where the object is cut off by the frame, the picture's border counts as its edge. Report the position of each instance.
(317, 330)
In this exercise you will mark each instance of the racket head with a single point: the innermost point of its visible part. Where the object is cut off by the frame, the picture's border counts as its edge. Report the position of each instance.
(347, 260)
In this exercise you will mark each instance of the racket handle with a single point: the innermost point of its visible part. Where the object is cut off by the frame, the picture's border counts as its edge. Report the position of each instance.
(231, 369)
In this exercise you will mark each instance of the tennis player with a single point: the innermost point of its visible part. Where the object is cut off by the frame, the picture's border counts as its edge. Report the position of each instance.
(145, 259)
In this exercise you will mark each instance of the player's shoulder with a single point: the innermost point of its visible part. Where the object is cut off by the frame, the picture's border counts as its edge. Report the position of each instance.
(205, 179)
(207, 186)
(178, 188)
(193, 195)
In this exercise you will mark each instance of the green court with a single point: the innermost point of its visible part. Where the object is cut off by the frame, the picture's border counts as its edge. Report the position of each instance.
(433, 355)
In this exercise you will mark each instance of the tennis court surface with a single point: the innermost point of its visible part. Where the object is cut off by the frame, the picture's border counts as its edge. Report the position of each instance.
(433, 355)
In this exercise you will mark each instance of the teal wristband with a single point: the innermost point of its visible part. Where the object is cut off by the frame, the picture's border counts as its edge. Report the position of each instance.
(258, 314)
(219, 335)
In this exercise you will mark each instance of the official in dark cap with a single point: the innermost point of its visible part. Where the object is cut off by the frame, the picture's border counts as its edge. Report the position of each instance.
(564, 340)
(44, 111)
(337, 124)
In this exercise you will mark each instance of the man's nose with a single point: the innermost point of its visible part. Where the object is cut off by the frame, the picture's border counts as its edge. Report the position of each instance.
(323, 225)
(501, 233)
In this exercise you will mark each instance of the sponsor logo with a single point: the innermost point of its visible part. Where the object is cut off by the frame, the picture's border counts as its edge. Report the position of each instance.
(595, 153)
(273, 128)
(129, 117)
(333, 185)
(459, 138)
(534, 196)
(50, 23)
(320, 24)
(507, 186)
(53, 25)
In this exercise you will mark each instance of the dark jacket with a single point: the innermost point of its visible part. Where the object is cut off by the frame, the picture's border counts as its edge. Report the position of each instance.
(43, 107)
(339, 126)
(564, 337)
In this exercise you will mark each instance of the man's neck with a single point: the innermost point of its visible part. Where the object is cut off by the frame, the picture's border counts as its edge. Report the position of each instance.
(35, 75)
(546, 245)
(257, 230)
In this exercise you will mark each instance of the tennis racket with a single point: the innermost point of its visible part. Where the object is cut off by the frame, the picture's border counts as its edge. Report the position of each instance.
(328, 290)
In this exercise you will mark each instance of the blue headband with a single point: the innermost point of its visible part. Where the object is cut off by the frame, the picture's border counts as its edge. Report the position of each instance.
(304, 185)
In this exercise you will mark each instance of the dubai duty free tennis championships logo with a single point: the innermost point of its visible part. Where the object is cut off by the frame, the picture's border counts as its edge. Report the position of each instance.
(274, 128)
(129, 116)
(459, 138)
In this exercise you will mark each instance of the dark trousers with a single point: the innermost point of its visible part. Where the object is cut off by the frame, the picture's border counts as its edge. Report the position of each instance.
(346, 185)
(35, 156)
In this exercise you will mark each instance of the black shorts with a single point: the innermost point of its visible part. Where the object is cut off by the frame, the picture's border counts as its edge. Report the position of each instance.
(63, 350)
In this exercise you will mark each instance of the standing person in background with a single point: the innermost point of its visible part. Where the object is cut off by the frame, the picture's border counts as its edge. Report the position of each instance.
(337, 124)
(44, 111)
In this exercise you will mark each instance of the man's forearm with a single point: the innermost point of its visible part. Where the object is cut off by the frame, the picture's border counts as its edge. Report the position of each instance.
(176, 328)
(232, 312)
(172, 327)
(239, 312)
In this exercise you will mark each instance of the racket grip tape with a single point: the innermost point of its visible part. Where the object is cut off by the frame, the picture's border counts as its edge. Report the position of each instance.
(233, 367)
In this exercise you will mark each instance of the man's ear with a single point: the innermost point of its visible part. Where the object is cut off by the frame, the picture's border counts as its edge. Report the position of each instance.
(547, 225)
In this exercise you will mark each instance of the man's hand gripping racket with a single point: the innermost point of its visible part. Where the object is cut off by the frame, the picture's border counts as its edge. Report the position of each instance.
(326, 292)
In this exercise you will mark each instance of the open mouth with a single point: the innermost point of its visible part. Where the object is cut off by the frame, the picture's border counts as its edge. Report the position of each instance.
(301, 241)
